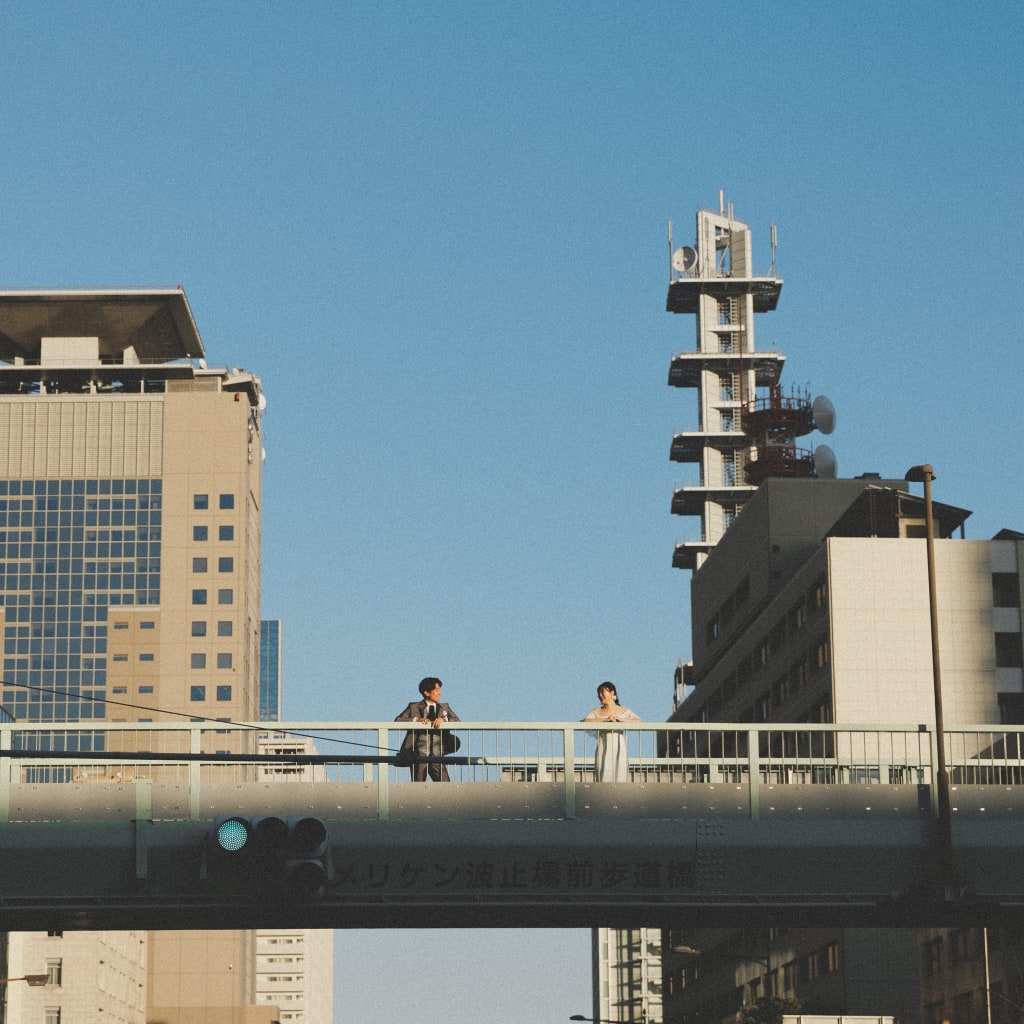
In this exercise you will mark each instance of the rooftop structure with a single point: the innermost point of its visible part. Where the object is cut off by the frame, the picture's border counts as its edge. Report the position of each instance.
(747, 427)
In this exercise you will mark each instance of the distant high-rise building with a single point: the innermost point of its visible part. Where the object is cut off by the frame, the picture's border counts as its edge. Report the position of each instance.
(130, 493)
(130, 498)
(270, 670)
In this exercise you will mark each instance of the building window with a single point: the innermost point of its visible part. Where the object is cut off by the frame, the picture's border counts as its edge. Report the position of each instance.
(199, 565)
(811, 967)
(198, 661)
(227, 501)
(713, 629)
(726, 311)
(962, 1008)
(822, 652)
(197, 693)
(223, 693)
(960, 946)
(725, 343)
(933, 956)
(764, 706)
(146, 657)
(225, 533)
(200, 501)
(225, 565)
(54, 970)
(51, 1015)
(779, 692)
(1011, 708)
(762, 651)
(120, 657)
(225, 627)
(226, 596)
(145, 689)
(832, 957)
(199, 597)
(198, 628)
(147, 625)
(1005, 590)
(1009, 653)
(224, 660)
(798, 615)
(200, 533)
(120, 625)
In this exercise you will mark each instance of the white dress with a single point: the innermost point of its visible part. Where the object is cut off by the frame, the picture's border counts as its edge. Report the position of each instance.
(611, 763)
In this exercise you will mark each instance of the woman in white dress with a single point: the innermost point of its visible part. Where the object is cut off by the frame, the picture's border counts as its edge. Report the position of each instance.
(610, 764)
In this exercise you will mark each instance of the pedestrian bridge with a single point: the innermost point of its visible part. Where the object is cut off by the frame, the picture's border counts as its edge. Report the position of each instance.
(110, 825)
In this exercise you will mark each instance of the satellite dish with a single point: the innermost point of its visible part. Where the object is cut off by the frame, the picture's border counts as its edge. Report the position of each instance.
(261, 402)
(824, 414)
(684, 259)
(824, 463)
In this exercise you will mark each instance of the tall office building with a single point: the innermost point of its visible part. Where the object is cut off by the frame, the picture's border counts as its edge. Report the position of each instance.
(814, 607)
(270, 670)
(130, 484)
(627, 974)
(130, 502)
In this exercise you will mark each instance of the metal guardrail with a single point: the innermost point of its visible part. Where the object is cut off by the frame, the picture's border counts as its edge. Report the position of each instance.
(191, 756)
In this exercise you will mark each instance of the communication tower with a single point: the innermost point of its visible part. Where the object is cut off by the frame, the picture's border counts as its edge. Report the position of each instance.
(746, 426)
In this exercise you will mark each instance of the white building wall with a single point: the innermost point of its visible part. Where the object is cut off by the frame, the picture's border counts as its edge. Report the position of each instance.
(101, 978)
(881, 630)
(295, 972)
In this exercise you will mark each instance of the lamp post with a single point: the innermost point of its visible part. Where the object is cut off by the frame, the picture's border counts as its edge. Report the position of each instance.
(925, 474)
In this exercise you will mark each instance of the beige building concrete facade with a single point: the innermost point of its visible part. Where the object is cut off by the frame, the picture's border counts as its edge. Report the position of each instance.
(130, 547)
(91, 976)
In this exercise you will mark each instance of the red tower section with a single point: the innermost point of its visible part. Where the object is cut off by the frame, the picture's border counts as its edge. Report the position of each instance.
(773, 422)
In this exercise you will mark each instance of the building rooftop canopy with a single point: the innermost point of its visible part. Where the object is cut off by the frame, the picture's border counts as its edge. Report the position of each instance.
(157, 324)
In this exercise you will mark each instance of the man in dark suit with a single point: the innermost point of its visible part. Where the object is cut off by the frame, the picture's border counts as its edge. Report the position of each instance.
(430, 710)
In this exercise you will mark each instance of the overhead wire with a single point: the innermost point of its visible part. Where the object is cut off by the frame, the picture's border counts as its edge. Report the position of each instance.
(166, 712)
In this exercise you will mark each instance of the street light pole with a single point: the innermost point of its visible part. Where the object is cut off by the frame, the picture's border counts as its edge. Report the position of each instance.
(925, 474)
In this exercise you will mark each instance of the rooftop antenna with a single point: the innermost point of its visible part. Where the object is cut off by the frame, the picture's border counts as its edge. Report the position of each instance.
(721, 202)
(775, 242)
(670, 252)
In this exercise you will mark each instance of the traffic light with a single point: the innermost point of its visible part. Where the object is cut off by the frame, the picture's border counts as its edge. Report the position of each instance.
(288, 857)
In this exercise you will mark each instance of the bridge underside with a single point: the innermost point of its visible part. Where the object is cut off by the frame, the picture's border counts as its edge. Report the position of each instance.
(792, 866)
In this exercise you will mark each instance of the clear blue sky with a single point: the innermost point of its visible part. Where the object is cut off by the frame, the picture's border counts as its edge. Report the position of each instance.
(437, 231)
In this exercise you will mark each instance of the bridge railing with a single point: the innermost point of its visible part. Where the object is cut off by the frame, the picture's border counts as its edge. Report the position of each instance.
(192, 758)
